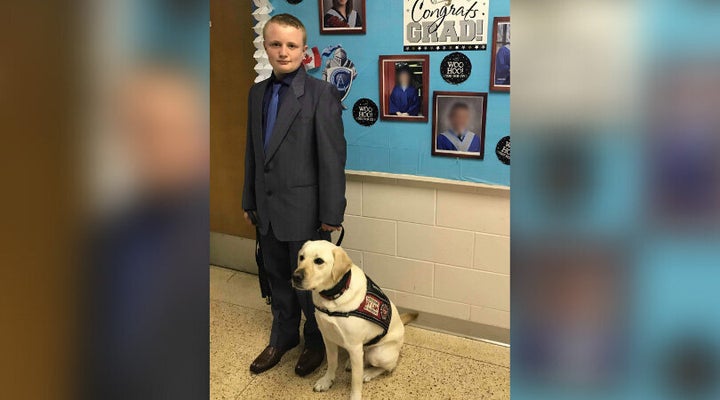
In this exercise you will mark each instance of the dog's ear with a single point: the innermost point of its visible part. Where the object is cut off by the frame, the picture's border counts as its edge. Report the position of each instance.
(302, 248)
(341, 264)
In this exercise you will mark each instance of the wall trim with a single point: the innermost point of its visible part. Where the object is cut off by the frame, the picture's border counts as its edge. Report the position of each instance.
(423, 181)
(459, 327)
(233, 252)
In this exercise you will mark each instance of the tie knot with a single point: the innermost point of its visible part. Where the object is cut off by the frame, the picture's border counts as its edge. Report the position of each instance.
(276, 88)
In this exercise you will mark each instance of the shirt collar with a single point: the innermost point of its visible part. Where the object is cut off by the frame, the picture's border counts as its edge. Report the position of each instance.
(462, 135)
(337, 10)
(287, 79)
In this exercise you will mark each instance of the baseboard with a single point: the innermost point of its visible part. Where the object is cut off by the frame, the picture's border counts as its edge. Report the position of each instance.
(233, 252)
(458, 327)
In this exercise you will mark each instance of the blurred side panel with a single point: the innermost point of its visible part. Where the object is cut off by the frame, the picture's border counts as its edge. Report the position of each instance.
(144, 328)
(615, 200)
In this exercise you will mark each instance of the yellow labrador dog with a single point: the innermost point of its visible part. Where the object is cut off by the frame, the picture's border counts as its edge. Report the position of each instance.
(351, 312)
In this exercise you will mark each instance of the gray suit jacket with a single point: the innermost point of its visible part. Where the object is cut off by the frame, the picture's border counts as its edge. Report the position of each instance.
(300, 182)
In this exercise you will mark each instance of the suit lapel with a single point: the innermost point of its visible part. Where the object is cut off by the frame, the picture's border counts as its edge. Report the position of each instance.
(257, 118)
(289, 109)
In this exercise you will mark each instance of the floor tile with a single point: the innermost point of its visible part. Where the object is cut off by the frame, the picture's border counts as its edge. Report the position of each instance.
(237, 288)
(237, 335)
(219, 275)
(433, 365)
(459, 346)
(420, 374)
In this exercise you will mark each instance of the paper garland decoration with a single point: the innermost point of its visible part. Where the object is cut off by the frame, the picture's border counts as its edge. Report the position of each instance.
(262, 15)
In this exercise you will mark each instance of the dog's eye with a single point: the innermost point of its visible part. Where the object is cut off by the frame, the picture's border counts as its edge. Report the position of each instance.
(302, 257)
(318, 261)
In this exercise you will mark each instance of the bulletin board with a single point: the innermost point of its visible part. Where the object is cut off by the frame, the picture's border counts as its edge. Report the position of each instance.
(402, 147)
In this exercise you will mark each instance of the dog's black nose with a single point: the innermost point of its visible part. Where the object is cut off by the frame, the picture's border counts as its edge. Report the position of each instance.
(298, 276)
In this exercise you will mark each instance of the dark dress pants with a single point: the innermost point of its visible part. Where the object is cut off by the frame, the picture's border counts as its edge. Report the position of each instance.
(280, 259)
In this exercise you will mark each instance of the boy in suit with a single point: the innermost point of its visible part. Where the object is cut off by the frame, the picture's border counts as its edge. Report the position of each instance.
(294, 182)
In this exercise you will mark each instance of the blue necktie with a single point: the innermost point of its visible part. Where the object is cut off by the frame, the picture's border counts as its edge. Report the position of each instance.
(271, 114)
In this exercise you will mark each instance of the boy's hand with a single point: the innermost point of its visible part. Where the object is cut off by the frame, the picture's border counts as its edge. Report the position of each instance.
(247, 218)
(329, 228)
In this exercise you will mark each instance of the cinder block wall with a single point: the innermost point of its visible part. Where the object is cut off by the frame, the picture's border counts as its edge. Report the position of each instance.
(434, 247)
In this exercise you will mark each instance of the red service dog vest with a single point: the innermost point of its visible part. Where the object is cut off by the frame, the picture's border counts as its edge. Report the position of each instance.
(375, 308)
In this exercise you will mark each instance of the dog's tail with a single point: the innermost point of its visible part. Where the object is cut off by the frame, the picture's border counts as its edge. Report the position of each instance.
(407, 318)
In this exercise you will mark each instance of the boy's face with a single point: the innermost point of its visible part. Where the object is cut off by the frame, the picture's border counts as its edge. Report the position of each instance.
(404, 78)
(459, 120)
(284, 47)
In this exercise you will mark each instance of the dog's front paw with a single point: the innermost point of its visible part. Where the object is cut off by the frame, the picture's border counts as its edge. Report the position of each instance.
(323, 384)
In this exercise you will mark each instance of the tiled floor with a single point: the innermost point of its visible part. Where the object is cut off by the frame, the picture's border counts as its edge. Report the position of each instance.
(432, 365)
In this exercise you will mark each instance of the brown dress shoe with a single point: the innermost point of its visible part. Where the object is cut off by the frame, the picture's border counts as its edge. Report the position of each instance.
(309, 360)
(267, 359)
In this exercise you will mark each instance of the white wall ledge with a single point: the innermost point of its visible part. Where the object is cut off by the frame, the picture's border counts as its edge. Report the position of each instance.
(424, 181)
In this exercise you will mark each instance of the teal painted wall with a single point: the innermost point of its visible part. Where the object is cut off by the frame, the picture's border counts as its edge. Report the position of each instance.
(405, 147)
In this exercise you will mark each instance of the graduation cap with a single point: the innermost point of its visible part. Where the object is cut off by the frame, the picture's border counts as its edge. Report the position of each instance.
(402, 67)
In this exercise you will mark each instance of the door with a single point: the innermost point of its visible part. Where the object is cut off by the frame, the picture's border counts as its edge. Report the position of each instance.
(231, 75)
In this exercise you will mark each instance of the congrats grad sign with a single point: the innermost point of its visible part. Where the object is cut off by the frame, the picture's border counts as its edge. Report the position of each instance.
(438, 25)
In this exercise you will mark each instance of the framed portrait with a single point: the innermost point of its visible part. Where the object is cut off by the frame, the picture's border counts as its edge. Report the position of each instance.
(404, 87)
(342, 16)
(459, 124)
(500, 63)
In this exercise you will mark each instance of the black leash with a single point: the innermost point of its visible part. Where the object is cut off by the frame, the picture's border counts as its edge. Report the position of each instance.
(342, 235)
(262, 274)
(340, 239)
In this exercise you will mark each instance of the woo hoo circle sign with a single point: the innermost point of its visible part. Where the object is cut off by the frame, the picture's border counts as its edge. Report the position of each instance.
(455, 68)
(502, 150)
(365, 112)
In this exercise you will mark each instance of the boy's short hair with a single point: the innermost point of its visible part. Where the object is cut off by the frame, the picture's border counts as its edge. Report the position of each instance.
(287, 20)
(458, 106)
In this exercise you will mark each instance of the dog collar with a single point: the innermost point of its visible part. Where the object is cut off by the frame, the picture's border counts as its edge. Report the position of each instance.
(337, 290)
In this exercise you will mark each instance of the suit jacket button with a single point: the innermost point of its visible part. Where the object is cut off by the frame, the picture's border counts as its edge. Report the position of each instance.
(269, 193)
(267, 169)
